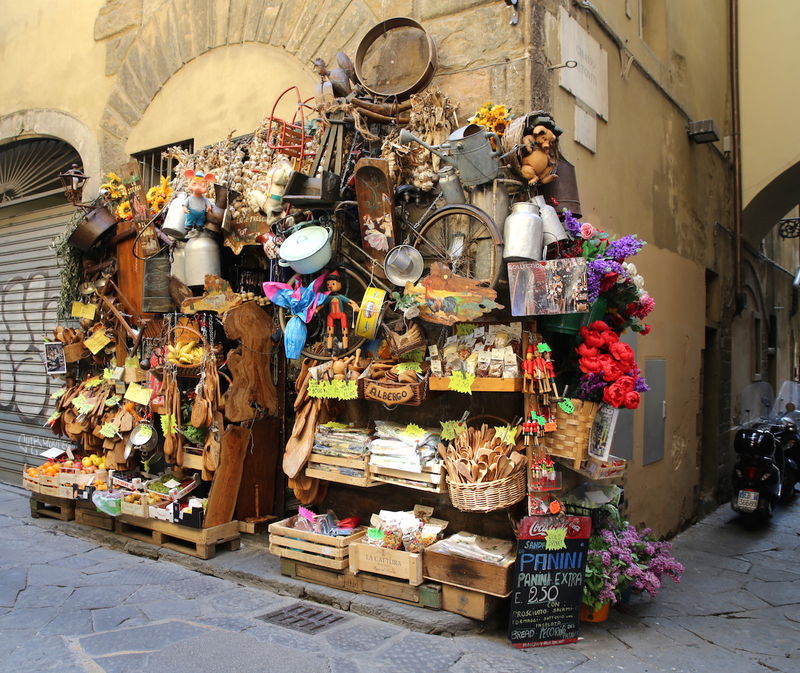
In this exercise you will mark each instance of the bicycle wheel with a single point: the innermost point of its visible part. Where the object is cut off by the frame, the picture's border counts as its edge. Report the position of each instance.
(354, 286)
(463, 238)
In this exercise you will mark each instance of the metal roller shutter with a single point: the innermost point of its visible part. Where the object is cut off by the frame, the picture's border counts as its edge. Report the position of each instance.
(29, 288)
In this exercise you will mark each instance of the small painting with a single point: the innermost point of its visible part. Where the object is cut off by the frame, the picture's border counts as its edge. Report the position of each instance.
(602, 432)
(550, 287)
(445, 298)
(54, 360)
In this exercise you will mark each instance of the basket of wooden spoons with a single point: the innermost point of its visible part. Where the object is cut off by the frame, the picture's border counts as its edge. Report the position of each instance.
(484, 471)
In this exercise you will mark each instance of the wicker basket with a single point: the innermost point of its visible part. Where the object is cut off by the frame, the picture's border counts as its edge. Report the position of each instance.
(188, 371)
(571, 439)
(391, 393)
(490, 495)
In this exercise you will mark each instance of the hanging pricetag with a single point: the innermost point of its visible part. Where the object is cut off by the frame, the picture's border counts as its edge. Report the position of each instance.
(451, 429)
(138, 394)
(506, 433)
(58, 394)
(81, 310)
(168, 424)
(461, 383)
(109, 430)
(97, 342)
(413, 430)
(93, 382)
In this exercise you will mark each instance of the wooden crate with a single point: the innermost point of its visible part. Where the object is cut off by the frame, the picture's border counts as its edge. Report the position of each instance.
(482, 384)
(470, 574)
(140, 509)
(300, 545)
(43, 504)
(256, 525)
(320, 466)
(473, 604)
(432, 478)
(426, 595)
(395, 563)
(30, 483)
(88, 515)
(199, 542)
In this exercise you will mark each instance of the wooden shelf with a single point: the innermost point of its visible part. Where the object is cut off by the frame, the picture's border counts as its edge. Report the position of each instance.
(480, 385)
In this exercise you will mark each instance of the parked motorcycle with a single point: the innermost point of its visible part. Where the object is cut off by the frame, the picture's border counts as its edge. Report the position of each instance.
(768, 459)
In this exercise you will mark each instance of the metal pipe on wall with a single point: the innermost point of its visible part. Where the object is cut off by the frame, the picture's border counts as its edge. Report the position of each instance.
(733, 40)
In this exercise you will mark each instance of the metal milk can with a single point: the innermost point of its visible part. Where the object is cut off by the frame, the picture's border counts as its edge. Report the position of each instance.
(552, 230)
(202, 258)
(449, 183)
(175, 220)
(178, 265)
(522, 233)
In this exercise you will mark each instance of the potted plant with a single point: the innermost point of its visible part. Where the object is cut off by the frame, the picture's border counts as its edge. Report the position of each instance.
(650, 561)
(602, 577)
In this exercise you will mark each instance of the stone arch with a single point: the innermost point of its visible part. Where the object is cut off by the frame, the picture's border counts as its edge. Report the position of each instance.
(181, 30)
(770, 204)
(56, 124)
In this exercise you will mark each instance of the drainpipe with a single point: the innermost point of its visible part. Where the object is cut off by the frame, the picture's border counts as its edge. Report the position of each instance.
(733, 41)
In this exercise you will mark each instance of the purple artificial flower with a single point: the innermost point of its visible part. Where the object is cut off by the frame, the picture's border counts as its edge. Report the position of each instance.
(595, 271)
(572, 225)
(624, 247)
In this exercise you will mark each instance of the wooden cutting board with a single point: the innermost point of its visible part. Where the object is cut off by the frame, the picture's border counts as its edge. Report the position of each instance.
(228, 477)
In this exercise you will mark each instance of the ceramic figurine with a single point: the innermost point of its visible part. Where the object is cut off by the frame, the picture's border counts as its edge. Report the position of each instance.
(335, 303)
(541, 156)
(196, 205)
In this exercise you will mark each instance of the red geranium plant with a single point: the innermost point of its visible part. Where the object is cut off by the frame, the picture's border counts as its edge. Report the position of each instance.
(609, 368)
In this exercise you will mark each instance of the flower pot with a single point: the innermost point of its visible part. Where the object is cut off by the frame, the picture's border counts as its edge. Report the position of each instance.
(571, 323)
(590, 615)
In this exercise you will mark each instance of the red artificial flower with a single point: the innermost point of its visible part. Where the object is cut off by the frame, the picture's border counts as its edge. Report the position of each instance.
(599, 326)
(625, 383)
(631, 400)
(608, 281)
(587, 351)
(614, 396)
(592, 338)
(623, 353)
(645, 331)
(590, 365)
(612, 370)
(610, 337)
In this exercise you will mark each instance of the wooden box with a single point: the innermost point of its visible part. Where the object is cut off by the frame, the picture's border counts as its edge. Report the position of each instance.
(325, 467)
(390, 562)
(482, 384)
(471, 574)
(432, 477)
(472, 604)
(323, 550)
(28, 482)
(140, 509)
(86, 514)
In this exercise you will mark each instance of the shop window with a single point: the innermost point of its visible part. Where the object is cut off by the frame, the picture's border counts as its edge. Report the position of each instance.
(153, 164)
(29, 169)
(653, 26)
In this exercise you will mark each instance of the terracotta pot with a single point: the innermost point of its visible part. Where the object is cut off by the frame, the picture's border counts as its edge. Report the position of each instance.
(599, 615)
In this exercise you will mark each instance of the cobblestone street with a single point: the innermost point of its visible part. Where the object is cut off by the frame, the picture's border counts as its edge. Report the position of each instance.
(71, 605)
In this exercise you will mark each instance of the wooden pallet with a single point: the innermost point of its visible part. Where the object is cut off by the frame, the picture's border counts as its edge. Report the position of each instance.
(199, 542)
(427, 595)
(52, 506)
(256, 525)
(88, 515)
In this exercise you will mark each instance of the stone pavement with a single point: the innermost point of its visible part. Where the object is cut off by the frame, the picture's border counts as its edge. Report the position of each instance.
(71, 604)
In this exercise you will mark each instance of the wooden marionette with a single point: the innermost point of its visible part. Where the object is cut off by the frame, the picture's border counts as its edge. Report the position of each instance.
(335, 303)
(528, 371)
(540, 374)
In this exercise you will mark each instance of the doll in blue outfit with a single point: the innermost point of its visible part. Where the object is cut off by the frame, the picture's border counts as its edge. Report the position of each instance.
(196, 205)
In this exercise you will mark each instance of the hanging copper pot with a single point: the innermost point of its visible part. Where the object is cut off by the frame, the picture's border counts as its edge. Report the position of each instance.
(563, 193)
(98, 221)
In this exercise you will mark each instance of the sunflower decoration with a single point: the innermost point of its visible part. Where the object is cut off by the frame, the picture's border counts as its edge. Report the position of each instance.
(492, 117)
(124, 211)
(158, 195)
(113, 189)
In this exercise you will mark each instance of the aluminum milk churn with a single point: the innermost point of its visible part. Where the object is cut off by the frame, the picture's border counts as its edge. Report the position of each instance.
(522, 233)
(202, 258)
(552, 229)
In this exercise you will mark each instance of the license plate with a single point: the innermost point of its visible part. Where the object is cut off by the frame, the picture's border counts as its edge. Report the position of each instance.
(747, 501)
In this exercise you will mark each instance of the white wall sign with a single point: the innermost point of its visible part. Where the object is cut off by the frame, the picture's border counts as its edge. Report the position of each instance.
(586, 129)
(589, 80)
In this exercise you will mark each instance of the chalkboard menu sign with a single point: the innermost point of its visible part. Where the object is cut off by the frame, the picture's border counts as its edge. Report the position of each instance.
(548, 580)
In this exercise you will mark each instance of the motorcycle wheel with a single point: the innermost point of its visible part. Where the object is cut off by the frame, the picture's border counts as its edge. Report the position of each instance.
(787, 487)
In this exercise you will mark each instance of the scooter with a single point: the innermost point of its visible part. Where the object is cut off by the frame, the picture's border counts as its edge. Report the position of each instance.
(756, 475)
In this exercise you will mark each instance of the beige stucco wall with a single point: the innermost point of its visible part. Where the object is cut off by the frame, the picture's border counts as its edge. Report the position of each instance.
(648, 178)
(770, 92)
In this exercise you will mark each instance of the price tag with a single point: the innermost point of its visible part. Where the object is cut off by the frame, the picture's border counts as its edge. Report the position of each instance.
(93, 382)
(97, 342)
(52, 453)
(461, 383)
(334, 425)
(168, 424)
(413, 430)
(138, 394)
(109, 430)
(57, 394)
(113, 401)
(507, 434)
(144, 432)
(451, 429)
(172, 483)
(408, 366)
(81, 310)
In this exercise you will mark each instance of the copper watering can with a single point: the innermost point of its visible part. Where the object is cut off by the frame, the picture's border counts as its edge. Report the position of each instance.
(469, 150)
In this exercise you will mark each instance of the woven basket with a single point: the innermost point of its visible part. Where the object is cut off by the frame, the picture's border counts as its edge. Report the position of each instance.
(571, 439)
(490, 495)
(188, 371)
(389, 392)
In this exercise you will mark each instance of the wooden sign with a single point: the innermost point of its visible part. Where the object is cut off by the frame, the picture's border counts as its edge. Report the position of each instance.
(375, 196)
(245, 231)
(548, 580)
(389, 394)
